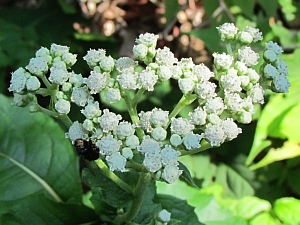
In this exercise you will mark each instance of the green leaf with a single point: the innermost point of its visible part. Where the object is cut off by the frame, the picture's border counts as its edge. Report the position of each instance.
(247, 7)
(36, 162)
(247, 207)
(112, 194)
(38, 209)
(287, 151)
(179, 209)
(270, 9)
(186, 175)
(263, 218)
(286, 37)
(171, 9)
(291, 117)
(287, 209)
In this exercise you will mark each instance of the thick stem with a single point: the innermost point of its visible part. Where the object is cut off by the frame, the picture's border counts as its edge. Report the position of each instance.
(138, 196)
(105, 170)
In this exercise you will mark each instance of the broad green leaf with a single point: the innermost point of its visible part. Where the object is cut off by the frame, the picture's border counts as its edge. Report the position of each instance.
(287, 209)
(37, 209)
(270, 9)
(287, 38)
(291, 123)
(179, 209)
(247, 7)
(36, 160)
(287, 151)
(247, 207)
(263, 218)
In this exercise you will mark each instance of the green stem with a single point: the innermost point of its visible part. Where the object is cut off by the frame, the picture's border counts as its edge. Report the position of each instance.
(204, 146)
(184, 101)
(137, 97)
(111, 175)
(228, 48)
(132, 111)
(136, 166)
(138, 196)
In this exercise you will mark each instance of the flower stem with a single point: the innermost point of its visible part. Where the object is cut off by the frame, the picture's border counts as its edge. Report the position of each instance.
(204, 146)
(184, 101)
(138, 196)
(111, 175)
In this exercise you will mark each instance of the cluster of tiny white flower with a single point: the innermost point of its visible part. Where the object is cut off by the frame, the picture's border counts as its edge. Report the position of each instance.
(239, 88)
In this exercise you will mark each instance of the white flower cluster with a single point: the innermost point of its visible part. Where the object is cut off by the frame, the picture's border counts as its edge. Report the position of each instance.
(225, 95)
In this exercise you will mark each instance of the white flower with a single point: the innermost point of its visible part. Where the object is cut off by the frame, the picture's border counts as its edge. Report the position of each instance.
(176, 72)
(198, 116)
(186, 85)
(227, 31)
(97, 81)
(93, 57)
(186, 64)
(159, 117)
(280, 84)
(147, 39)
(164, 216)
(107, 63)
(255, 33)
(214, 105)
(159, 134)
(175, 140)
(241, 68)
(181, 126)
(274, 47)
(88, 125)
(91, 110)
(62, 106)
(282, 67)
(69, 58)
(214, 134)
(132, 141)
(149, 146)
(127, 80)
(169, 156)
(192, 141)
(233, 102)
(256, 93)
(127, 153)
(222, 61)
(20, 100)
(80, 95)
(206, 90)
(231, 82)
(112, 95)
(152, 162)
(202, 72)
(44, 53)
(116, 162)
(58, 75)
(124, 129)
(253, 75)
(58, 50)
(75, 79)
(270, 71)
(145, 120)
(213, 119)
(108, 145)
(244, 117)
(165, 57)
(231, 130)
(164, 72)
(245, 37)
(248, 56)
(18, 80)
(125, 64)
(140, 51)
(270, 56)
(76, 131)
(147, 79)
(171, 173)
(37, 66)
(109, 120)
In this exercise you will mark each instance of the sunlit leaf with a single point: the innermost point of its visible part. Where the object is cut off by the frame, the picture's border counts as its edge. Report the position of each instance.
(287, 209)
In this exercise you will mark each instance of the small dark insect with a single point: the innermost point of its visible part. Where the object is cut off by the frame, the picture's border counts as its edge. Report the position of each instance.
(87, 149)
